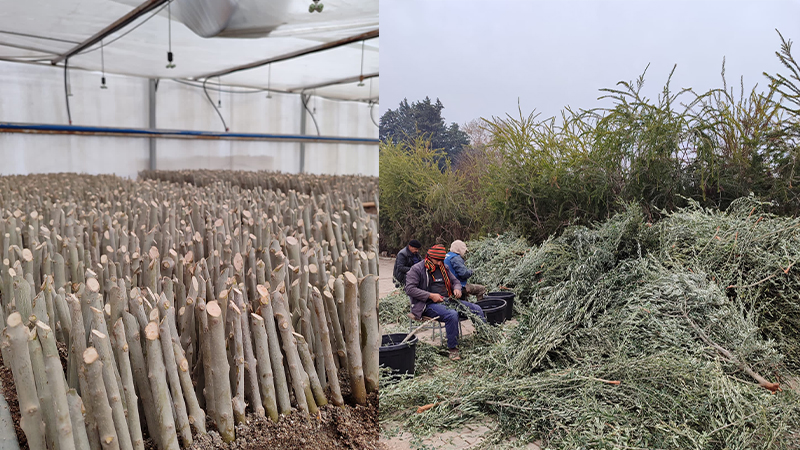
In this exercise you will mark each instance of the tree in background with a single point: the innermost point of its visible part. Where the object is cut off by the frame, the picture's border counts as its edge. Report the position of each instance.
(421, 200)
(539, 177)
(423, 119)
(478, 134)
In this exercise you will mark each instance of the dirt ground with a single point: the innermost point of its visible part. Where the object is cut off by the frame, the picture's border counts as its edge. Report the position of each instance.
(333, 428)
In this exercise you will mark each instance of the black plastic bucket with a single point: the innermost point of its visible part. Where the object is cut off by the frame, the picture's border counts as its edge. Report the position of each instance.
(508, 296)
(399, 357)
(494, 309)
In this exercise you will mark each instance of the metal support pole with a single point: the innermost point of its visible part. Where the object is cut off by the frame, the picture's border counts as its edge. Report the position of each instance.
(153, 85)
(302, 132)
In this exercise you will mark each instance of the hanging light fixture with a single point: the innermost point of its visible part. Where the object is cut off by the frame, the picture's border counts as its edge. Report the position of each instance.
(102, 67)
(170, 64)
(316, 6)
(361, 78)
(269, 80)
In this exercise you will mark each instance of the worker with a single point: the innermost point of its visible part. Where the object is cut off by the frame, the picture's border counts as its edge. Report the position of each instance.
(455, 262)
(406, 258)
(429, 283)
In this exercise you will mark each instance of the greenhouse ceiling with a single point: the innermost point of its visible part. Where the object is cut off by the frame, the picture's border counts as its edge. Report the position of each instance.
(277, 45)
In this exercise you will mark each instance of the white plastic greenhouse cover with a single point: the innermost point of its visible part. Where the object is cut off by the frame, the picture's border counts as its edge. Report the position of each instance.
(246, 31)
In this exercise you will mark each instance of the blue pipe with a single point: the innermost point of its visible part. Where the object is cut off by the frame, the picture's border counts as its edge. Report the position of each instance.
(10, 127)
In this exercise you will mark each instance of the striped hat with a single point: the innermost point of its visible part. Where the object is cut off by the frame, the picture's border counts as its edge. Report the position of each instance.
(437, 252)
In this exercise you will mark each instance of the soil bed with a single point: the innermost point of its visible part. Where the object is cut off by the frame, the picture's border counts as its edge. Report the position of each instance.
(351, 427)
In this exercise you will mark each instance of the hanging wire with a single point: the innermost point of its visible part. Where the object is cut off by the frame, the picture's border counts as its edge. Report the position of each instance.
(95, 48)
(219, 92)
(103, 66)
(269, 80)
(170, 64)
(372, 104)
(304, 98)
(66, 89)
(199, 85)
(67, 80)
(361, 78)
(208, 96)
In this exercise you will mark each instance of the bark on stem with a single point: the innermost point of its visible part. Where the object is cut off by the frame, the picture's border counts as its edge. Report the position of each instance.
(58, 391)
(76, 415)
(158, 383)
(327, 351)
(219, 370)
(353, 339)
(264, 367)
(196, 415)
(139, 370)
(102, 345)
(99, 398)
(300, 385)
(371, 338)
(121, 350)
(274, 348)
(30, 410)
(179, 404)
(311, 371)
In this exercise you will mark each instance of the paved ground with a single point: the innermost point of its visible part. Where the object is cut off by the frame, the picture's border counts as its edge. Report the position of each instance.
(470, 436)
(385, 284)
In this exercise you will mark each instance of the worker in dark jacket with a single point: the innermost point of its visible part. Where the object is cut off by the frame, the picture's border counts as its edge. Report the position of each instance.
(455, 262)
(407, 257)
(429, 283)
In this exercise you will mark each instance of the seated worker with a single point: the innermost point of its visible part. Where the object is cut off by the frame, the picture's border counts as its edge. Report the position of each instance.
(455, 262)
(406, 258)
(429, 283)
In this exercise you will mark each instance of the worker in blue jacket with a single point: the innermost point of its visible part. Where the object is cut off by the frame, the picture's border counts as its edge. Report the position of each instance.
(455, 262)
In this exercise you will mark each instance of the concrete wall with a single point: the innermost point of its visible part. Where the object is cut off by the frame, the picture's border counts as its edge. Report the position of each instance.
(35, 94)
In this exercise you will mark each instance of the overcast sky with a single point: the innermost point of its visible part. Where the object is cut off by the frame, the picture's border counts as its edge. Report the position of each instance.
(480, 57)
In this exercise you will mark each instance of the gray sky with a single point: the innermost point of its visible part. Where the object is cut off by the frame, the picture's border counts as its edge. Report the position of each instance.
(479, 57)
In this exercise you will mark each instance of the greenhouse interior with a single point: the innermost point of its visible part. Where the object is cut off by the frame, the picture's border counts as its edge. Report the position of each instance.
(188, 224)
(189, 84)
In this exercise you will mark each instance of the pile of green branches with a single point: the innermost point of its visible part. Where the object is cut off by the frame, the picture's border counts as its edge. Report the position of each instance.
(633, 335)
(394, 308)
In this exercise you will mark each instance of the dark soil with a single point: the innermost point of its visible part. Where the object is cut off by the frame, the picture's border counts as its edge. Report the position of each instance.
(10, 393)
(349, 427)
(334, 428)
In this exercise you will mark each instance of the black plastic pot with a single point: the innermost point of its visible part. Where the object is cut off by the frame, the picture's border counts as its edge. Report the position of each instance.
(508, 296)
(399, 357)
(494, 309)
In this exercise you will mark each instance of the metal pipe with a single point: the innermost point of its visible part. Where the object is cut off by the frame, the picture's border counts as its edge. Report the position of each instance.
(318, 48)
(335, 82)
(117, 25)
(11, 127)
